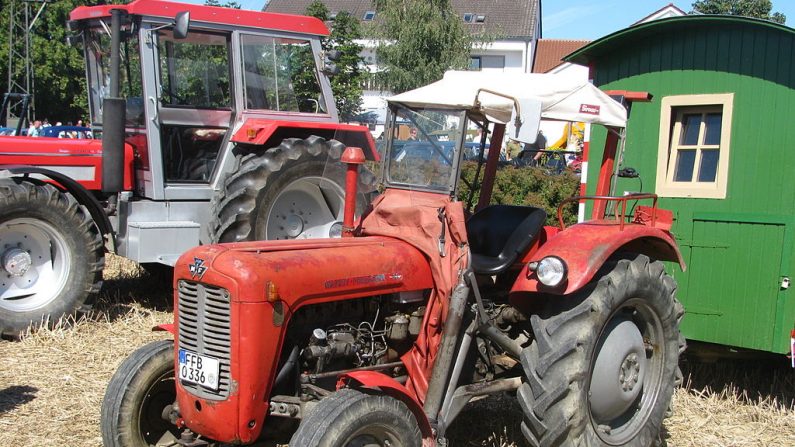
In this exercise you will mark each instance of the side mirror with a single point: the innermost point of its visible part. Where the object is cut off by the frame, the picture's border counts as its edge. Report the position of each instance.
(74, 41)
(524, 126)
(331, 70)
(181, 23)
(333, 55)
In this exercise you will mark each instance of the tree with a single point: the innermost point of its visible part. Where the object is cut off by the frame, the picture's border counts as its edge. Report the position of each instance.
(347, 83)
(419, 41)
(749, 8)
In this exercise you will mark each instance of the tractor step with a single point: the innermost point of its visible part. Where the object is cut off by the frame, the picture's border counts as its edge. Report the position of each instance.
(161, 242)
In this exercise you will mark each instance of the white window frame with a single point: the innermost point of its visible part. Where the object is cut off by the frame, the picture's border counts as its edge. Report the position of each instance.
(670, 126)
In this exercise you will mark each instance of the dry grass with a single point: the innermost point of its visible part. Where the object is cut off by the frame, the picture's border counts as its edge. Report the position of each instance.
(52, 383)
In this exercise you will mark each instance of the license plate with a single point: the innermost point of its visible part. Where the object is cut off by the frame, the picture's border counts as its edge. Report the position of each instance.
(198, 369)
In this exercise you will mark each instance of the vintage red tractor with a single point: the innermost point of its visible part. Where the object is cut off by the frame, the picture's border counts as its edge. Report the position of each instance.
(216, 124)
(383, 336)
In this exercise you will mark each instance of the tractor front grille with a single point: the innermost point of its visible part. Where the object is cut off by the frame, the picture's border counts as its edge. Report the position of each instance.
(204, 328)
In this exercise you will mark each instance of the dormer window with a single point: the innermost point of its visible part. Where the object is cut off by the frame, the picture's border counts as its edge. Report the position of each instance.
(469, 17)
(480, 19)
(369, 16)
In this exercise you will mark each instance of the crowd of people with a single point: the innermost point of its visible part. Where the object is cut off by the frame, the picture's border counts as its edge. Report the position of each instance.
(38, 128)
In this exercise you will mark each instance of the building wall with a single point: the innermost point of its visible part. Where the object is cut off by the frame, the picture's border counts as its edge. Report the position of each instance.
(738, 249)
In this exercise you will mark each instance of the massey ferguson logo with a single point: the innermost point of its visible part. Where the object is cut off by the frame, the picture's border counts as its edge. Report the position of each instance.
(589, 109)
(197, 269)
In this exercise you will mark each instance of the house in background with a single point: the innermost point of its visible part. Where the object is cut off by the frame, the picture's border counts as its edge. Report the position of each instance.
(713, 143)
(514, 24)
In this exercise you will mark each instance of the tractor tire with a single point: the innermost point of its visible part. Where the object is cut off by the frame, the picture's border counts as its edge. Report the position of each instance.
(295, 190)
(604, 363)
(136, 397)
(352, 418)
(51, 255)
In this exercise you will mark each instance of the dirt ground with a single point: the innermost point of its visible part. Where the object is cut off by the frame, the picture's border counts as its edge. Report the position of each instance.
(52, 383)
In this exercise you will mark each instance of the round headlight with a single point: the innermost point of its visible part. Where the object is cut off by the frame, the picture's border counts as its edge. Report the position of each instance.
(551, 271)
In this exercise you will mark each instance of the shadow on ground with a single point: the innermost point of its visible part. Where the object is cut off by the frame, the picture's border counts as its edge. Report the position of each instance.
(15, 396)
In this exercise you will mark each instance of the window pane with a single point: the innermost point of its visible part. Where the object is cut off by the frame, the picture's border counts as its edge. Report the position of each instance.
(690, 129)
(708, 170)
(713, 129)
(474, 63)
(280, 74)
(195, 71)
(685, 160)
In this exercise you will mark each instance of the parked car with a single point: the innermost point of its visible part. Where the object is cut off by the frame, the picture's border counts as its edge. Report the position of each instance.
(67, 132)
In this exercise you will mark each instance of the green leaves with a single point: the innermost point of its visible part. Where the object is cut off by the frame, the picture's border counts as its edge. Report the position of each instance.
(419, 41)
(749, 8)
(347, 84)
(529, 187)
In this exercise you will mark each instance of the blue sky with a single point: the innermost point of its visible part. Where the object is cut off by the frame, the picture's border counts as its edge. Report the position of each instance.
(590, 19)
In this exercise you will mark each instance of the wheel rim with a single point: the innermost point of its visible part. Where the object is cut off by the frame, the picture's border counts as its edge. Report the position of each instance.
(626, 372)
(374, 435)
(151, 424)
(34, 264)
(310, 207)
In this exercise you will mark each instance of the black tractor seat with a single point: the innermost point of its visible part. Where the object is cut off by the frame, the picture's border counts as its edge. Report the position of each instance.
(498, 234)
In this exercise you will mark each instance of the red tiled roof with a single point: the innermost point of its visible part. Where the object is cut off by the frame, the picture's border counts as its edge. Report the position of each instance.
(550, 52)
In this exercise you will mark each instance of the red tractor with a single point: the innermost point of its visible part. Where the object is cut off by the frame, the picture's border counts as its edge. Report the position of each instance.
(215, 126)
(382, 337)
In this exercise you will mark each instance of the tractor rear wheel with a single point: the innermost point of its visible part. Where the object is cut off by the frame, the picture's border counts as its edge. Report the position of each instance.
(294, 191)
(350, 418)
(604, 363)
(137, 397)
(51, 255)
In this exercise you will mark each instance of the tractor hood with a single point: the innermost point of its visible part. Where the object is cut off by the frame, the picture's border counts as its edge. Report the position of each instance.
(561, 99)
(303, 272)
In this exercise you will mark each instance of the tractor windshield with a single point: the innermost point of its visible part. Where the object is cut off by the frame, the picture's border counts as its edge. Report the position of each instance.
(97, 48)
(424, 148)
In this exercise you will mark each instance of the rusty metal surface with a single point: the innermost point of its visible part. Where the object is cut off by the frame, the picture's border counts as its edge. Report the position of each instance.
(304, 272)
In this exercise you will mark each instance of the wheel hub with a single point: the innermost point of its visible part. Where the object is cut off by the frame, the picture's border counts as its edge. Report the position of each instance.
(16, 261)
(630, 372)
(618, 371)
(294, 225)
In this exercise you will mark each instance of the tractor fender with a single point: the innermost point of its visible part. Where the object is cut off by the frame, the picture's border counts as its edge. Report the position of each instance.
(269, 133)
(374, 380)
(587, 246)
(83, 196)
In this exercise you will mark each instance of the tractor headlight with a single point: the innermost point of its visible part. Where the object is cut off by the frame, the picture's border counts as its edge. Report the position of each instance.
(551, 270)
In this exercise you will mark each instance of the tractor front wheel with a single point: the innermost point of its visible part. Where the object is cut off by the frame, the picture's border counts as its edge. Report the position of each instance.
(604, 363)
(293, 191)
(350, 418)
(138, 398)
(51, 255)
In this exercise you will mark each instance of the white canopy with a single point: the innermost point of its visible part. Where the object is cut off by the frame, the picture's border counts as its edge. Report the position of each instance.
(561, 98)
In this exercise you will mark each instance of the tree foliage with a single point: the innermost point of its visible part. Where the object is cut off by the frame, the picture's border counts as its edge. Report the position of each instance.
(528, 186)
(347, 83)
(760, 9)
(419, 41)
(59, 71)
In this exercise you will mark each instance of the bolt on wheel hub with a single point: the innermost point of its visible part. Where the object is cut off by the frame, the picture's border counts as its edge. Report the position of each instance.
(16, 261)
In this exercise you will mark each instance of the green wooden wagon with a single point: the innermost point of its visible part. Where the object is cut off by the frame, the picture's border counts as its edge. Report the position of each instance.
(717, 144)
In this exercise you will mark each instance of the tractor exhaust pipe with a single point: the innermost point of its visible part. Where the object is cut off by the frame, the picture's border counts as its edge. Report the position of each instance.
(113, 115)
(353, 157)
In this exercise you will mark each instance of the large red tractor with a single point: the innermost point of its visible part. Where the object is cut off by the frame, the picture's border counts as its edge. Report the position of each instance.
(383, 336)
(215, 126)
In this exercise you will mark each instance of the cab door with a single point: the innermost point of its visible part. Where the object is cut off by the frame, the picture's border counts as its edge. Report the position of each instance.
(191, 106)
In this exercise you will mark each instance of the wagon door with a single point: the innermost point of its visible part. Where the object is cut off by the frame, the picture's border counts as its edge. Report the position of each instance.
(733, 282)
